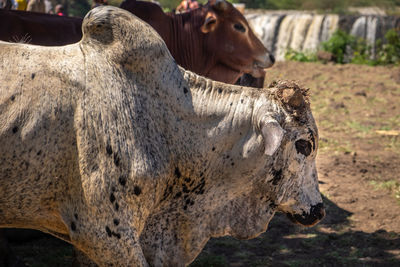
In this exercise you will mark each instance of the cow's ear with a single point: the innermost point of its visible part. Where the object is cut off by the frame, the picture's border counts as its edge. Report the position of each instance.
(272, 133)
(209, 23)
(221, 5)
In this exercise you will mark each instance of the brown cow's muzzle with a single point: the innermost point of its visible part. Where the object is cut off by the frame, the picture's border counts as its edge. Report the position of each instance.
(317, 213)
(261, 63)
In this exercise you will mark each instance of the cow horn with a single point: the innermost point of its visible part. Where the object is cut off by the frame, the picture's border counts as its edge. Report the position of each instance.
(221, 5)
(294, 98)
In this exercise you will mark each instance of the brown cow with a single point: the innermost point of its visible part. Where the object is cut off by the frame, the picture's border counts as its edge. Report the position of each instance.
(214, 40)
(207, 41)
(39, 28)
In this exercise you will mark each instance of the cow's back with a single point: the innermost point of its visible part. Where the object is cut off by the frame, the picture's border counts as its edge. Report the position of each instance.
(39, 28)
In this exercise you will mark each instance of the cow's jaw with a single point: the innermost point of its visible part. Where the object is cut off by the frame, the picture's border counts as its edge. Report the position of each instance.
(317, 213)
(225, 73)
(257, 72)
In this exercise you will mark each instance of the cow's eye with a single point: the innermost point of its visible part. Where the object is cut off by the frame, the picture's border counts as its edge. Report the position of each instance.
(239, 27)
(303, 147)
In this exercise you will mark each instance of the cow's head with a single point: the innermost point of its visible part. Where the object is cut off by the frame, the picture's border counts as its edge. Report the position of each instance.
(233, 41)
(292, 143)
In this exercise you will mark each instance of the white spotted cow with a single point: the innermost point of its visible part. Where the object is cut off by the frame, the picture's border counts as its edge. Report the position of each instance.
(109, 145)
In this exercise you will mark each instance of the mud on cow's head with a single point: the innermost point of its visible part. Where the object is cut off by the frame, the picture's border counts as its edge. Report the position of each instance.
(293, 145)
(233, 41)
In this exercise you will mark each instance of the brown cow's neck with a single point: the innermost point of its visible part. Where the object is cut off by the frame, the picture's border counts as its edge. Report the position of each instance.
(187, 53)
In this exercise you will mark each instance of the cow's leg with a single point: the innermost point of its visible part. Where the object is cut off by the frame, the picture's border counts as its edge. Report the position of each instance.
(107, 242)
(111, 251)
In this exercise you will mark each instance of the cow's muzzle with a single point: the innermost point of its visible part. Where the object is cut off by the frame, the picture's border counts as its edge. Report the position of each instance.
(264, 62)
(317, 213)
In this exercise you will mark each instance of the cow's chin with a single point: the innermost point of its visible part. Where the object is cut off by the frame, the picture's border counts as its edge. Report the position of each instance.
(316, 214)
(257, 72)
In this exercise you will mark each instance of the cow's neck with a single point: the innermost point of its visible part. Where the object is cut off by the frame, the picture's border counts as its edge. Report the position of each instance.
(220, 118)
(186, 42)
(213, 99)
(213, 138)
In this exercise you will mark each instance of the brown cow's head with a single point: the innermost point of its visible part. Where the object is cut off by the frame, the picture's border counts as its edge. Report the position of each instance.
(235, 45)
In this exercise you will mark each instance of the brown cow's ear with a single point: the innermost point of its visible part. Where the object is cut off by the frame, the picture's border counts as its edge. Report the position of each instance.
(210, 22)
(221, 5)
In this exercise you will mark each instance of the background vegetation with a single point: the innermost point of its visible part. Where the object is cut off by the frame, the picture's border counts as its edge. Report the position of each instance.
(81, 7)
(346, 48)
(325, 5)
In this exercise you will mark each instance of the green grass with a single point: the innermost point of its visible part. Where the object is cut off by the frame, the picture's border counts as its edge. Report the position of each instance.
(334, 145)
(391, 185)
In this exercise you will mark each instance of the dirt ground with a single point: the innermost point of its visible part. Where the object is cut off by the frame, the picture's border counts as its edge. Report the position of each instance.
(357, 110)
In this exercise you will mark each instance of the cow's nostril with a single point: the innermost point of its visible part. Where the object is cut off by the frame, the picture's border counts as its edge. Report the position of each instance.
(318, 211)
(316, 214)
(272, 58)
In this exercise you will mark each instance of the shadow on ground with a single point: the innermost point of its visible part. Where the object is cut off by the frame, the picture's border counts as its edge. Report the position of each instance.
(331, 243)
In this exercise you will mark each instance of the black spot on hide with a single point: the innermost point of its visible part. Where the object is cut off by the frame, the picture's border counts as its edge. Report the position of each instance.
(219, 90)
(95, 167)
(73, 226)
(277, 176)
(178, 195)
(117, 235)
(33, 76)
(15, 129)
(122, 180)
(213, 149)
(108, 231)
(109, 149)
(177, 173)
(39, 152)
(112, 198)
(116, 222)
(12, 98)
(303, 147)
(116, 160)
(137, 190)
(76, 216)
(185, 189)
(116, 206)
(185, 90)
